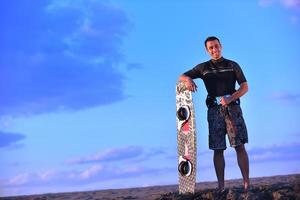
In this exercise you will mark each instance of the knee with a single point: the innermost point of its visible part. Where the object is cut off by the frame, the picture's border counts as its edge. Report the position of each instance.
(240, 149)
(218, 152)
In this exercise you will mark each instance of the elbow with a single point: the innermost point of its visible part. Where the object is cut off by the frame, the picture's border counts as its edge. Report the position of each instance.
(183, 77)
(245, 87)
(180, 78)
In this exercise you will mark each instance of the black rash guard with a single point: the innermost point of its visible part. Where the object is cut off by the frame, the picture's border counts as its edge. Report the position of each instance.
(219, 76)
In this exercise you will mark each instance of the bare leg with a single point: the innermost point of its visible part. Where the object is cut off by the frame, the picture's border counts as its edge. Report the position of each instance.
(243, 161)
(219, 163)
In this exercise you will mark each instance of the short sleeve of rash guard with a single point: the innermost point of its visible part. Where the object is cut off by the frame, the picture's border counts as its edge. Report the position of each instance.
(196, 72)
(240, 77)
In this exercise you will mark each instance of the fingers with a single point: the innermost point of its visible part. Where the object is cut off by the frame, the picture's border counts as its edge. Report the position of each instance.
(224, 101)
(191, 86)
(194, 88)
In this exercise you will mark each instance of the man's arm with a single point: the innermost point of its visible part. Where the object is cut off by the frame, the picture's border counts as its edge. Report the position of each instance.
(240, 92)
(189, 83)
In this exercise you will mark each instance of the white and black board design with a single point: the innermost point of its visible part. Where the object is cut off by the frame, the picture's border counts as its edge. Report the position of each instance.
(186, 139)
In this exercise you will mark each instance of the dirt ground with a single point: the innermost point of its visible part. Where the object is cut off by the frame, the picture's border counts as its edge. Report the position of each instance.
(275, 187)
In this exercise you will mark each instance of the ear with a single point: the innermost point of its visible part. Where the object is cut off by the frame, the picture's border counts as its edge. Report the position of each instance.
(206, 49)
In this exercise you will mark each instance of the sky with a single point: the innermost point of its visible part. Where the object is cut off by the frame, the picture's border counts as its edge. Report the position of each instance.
(88, 89)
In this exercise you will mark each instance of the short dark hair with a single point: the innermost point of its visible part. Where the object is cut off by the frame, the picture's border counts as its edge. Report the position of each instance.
(211, 38)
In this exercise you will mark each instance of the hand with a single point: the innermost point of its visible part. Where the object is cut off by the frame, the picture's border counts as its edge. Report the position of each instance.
(225, 100)
(190, 85)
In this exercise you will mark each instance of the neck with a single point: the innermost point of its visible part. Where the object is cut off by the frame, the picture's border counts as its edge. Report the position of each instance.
(218, 59)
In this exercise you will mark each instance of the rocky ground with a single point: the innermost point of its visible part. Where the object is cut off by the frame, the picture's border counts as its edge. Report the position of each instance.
(276, 187)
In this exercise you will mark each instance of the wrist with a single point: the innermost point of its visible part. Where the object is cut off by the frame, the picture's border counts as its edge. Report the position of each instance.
(231, 98)
(228, 99)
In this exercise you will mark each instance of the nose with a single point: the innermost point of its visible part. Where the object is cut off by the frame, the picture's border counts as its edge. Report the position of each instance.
(214, 50)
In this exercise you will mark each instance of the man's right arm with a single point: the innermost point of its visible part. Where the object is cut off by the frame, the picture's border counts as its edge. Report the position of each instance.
(189, 83)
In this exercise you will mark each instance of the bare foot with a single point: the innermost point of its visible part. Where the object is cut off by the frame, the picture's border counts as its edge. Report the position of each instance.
(221, 190)
(221, 186)
(246, 184)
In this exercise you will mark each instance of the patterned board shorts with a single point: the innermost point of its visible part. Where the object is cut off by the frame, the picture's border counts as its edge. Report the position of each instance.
(219, 127)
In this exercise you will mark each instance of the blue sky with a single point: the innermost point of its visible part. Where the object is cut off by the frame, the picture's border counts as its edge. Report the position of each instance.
(88, 89)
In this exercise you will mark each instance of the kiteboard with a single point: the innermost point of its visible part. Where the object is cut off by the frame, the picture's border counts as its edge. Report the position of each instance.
(186, 139)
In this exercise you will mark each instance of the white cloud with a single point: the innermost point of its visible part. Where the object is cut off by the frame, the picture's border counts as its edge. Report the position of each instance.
(291, 98)
(126, 154)
(8, 139)
(77, 178)
(108, 155)
(82, 177)
(292, 6)
(90, 172)
(276, 153)
(129, 169)
(291, 3)
(47, 175)
(19, 179)
(263, 156)
(48, 64)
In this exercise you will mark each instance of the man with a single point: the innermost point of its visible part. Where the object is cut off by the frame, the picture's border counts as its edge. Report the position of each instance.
(224, 114)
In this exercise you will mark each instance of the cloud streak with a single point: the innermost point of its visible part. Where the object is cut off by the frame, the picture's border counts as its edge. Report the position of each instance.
(278, 153)
(286, 97)
(60, 55)
(99, 171)
(110, 155)
(283, 154)
(291, 4)
(10, 139)
(122, 164)
(126, 154)
(91, 174)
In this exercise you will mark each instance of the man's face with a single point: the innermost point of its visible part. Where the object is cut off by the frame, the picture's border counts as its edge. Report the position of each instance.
(214, 49)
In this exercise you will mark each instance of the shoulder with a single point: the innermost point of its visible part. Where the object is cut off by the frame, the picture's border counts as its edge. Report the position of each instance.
(231, 62)
(202, 65)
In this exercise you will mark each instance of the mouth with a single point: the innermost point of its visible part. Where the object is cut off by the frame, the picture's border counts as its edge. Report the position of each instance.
(217, 54)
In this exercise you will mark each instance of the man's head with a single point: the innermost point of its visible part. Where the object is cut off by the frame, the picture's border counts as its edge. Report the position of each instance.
(213, 47)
